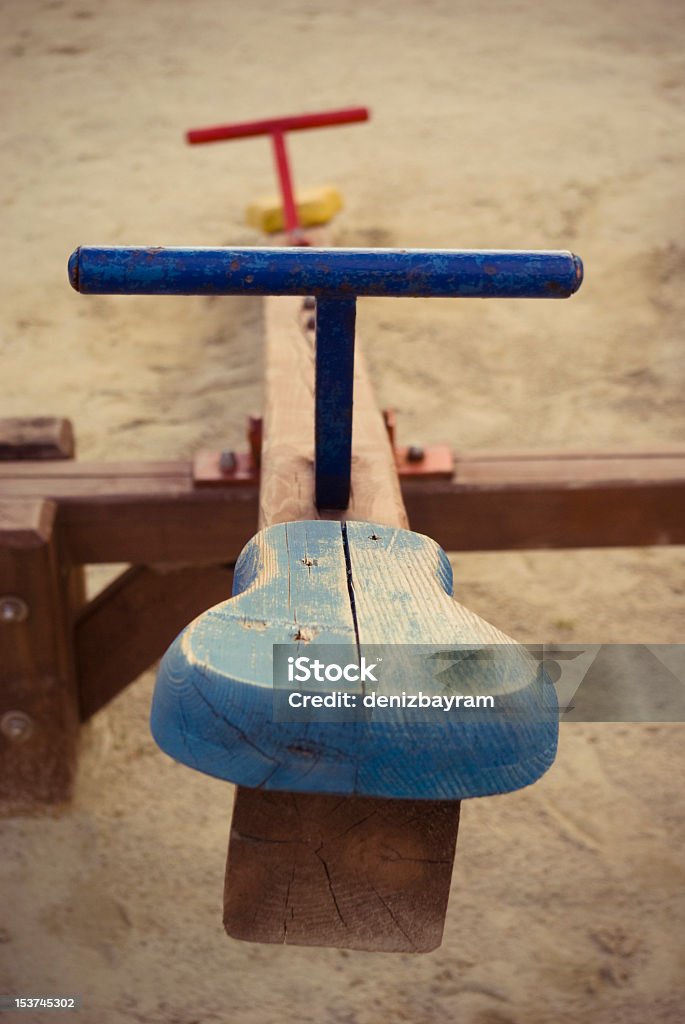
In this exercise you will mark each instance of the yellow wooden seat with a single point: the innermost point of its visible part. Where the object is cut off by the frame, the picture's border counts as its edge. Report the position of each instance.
(315, 205)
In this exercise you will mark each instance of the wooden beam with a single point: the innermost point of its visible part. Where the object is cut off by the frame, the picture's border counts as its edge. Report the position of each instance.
(316, 869)
(494, 502)
(130, 624)
(517, 500)
(140, 512)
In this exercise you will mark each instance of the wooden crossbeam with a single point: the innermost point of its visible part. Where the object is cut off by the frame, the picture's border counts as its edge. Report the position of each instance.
(151, 512)
(553, 499)
(138, 512)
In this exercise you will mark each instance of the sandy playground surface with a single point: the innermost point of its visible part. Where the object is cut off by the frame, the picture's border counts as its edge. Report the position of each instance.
(517, 125)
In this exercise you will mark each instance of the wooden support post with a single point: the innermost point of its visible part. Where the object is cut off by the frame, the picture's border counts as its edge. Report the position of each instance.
(41, 592)
(315, 869)
(39, 717)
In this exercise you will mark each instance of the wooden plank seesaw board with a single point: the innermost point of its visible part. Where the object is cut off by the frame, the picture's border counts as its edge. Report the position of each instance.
(349, 865)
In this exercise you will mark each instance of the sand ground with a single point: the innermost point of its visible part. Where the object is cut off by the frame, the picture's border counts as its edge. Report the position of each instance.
(541, 125)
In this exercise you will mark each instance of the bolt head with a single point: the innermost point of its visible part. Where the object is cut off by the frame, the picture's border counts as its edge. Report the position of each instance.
(16, 726)
(415, 454)
(13, 609)
(227, 462)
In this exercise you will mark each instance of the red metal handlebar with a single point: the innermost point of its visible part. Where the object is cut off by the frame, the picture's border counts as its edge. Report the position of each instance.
(277, 125)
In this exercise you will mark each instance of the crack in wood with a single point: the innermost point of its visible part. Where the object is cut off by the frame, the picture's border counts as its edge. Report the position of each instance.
(330, 885)
(287, 907)
(354, 825)
(273, 842)
(413, 860)
(394, 919)
(350, 592)
(236, 729)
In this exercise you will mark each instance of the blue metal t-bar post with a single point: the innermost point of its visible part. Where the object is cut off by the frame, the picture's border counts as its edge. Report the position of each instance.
(336, 277)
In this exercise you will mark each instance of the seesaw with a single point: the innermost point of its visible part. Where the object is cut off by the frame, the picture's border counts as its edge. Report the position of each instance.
(341, 836)
(286, 211)
(334, 564)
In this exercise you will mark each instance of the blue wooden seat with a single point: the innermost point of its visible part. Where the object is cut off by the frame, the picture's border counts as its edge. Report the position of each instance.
(353, 585)
(326, 583)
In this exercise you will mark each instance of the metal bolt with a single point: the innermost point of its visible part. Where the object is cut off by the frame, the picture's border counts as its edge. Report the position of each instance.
(309, 302)
(311, 323)
(227, 462)
(13, 609)
(415, 454)
(16, 726)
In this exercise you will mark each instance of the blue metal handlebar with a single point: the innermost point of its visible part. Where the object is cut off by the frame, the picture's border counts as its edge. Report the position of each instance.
(345, 273)
(336, 277)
